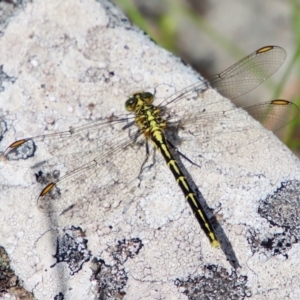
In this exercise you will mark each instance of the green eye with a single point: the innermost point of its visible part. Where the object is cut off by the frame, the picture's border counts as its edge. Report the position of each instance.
(130, 104)
(147, 97)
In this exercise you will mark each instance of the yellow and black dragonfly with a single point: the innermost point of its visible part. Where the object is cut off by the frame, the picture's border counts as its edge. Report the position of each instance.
(103, 157)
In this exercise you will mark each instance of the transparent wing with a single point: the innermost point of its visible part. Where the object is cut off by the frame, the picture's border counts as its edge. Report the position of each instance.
(83, 166)
(239, 79)
(100, 179)
(196, 116)
(69, 141)
(249, 72)
(216, 132)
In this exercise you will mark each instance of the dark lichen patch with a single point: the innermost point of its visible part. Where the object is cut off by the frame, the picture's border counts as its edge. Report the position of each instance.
(3, 128)
(216, 283)
(72, 248)
(59, 296)
(45, 178)
(282, 208)
(112, 279)
(126, 249)
(113, 13)
(24, 151)
(277, 244)
(5, 78)
(282, 211)
(10, 284)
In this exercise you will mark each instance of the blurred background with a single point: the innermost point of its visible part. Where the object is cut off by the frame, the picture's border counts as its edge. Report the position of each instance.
(211, 35)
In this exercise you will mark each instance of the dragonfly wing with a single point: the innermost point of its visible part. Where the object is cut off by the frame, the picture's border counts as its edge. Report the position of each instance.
(67, 142)
(82, 168)
(94, 180)
(216, 131)
(249, 72)
(239, 79)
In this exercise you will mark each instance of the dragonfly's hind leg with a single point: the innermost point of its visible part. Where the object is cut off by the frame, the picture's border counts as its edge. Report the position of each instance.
(181, 154)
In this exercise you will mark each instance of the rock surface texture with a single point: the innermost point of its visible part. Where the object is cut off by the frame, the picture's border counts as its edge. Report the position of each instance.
(123, 231)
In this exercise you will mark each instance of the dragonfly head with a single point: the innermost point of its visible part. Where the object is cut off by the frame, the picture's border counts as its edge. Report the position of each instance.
(138, 100)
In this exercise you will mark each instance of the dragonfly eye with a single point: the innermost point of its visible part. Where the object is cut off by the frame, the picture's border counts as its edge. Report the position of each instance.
(130, 104)
(147, 97)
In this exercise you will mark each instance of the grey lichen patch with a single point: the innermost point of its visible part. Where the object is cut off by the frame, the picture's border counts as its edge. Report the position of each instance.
(8, 8)
(3, 128)
(10, 285)
(113, 13)
(216, 283)
(46, 178)
(112, 279)
(59, 296)
(279, 243)
(25, 151)
(126, 249)
(5, 78)
(72, 249)
(282, 211)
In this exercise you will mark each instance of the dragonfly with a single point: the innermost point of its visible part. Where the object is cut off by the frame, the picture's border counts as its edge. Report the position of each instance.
(108, 155)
